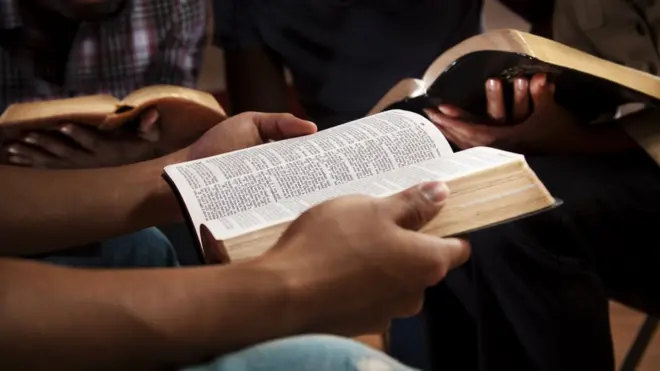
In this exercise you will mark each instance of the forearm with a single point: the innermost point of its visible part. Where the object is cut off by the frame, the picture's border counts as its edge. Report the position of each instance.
(255, 81)
(609, 138)
(46, 210)
(600, 138)
(70, 319)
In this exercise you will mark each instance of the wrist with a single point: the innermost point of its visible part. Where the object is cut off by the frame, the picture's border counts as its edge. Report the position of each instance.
(161, 202)
(294, 299)
(250, 302)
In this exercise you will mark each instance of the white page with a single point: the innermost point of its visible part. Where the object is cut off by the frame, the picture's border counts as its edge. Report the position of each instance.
(252, 179)
(381, 185)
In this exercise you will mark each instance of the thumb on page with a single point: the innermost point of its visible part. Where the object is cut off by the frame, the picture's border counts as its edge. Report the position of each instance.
(416, 206)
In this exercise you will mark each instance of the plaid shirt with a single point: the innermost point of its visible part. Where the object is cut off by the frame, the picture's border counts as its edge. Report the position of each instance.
(148, 42)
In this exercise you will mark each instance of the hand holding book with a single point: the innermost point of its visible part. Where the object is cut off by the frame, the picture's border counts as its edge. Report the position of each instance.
(368, 248)
(149, 122)
(537, 124)
(248, 130)
(240, 203)
(74, 146)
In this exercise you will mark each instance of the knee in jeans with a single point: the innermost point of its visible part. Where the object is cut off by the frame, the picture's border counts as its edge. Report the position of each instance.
(146, 248)
(307, 353)
(356, 356)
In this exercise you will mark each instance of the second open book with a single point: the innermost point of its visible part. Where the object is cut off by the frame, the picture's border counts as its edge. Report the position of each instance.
(241, 202)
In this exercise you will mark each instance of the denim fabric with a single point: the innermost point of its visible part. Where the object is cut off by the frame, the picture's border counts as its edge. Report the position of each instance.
(305, 353)
(142, 249)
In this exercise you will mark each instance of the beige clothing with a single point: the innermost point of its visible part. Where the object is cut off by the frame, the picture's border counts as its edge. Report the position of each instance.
(622, 31)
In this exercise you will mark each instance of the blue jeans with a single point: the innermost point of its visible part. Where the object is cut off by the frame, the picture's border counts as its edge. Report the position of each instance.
(146, 248)
(305, 353)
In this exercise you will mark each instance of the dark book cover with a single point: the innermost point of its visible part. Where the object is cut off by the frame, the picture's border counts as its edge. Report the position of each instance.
(462, 84)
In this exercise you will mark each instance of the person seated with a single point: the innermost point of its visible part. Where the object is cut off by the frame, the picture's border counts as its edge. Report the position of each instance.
(244, 312)
(539, 288)
(343, 55)
(64, 48)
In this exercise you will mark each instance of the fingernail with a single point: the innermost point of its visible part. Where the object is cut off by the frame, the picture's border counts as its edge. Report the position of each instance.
(431, 114)
(13, 150)
(66, 129)
(521, 84)
(156, 115)
(31, 139)
(149, 118)
(491, 84)
(444, 110)
(19, 160)
(543, 81)
(435, 192)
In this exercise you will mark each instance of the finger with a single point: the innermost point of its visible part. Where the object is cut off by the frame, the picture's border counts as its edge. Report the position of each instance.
(444, 121)
(454, 112)
(36, 157)
(416, 206)
(449, 135)
(495, 100)
(148, 129)
(49, 144)
(278, 126)
(465, 134)
(19, 160)
(446, 127)
(541, 90)
(520, 99)
(86, 138)
(444, 254)
(411, 303)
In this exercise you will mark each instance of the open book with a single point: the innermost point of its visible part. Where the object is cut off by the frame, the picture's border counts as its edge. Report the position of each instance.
(240, 203)
(185, 113)
(585, 85)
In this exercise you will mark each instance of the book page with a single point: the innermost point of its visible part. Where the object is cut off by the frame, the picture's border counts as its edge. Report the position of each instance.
(328, 162)
(58, 108)
(154, 93)
(382, 185)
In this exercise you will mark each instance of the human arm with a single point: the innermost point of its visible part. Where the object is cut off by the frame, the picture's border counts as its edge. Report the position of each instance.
(49, 210)
(46, 211)
(134, 319)
(165, 319)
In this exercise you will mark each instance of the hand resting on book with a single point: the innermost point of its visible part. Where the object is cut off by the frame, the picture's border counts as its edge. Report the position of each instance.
(537, 124)
(72, 146)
